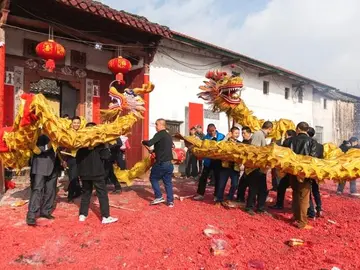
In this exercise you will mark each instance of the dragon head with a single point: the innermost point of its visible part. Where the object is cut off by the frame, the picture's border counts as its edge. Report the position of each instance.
(222, 90)
(129, 100)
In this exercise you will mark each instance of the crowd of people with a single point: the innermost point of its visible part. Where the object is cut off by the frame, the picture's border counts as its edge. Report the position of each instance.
(93, 168)
(86, 169)
(306, 202)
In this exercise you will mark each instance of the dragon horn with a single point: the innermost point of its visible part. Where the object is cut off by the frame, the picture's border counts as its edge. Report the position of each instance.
(145, 89)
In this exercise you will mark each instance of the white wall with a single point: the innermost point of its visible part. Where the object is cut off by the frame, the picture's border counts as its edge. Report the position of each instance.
(176, 85)
(324, 117)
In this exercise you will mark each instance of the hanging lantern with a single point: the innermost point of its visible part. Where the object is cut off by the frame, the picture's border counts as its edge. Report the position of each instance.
(119, 66)
(51, 51)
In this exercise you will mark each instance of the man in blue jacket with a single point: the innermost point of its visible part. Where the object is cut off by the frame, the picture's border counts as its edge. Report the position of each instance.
(209, 164)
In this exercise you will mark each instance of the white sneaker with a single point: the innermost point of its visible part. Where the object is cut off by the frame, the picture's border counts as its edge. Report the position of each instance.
(215, 199)
(82, 218)
(199, 198)
(109, 220)
(355, 194)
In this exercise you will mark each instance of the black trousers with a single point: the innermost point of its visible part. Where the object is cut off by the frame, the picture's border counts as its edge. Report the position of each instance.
(121, 160)
(243, 185)
(101, 192)
(74, 189)
(315, 192)
(257, 190)
(215, 167)
(110, 175)
(200, 165)
(191, 166)
(43, 194)
(284, 184)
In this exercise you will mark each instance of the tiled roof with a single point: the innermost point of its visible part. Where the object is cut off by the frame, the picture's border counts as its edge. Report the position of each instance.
(99, 9)
(328, 90)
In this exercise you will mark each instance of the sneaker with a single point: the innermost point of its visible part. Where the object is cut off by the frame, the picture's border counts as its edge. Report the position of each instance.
(355, 194)
(250, 212)
(82, 218)
(109, 220)
(319, 214)
(215, 199)
(276, 207)
(157, 201)
(199, 198)
(264, 212)
(171, 204)
(338, 192)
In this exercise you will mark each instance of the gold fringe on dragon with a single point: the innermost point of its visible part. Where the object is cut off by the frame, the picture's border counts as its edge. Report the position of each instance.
(18, 143)
(223, 92)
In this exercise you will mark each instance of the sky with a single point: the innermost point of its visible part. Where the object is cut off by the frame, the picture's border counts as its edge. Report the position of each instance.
(319, 39)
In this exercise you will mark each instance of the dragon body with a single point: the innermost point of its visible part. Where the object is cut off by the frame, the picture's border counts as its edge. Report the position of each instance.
(223, 92)
(36, 116)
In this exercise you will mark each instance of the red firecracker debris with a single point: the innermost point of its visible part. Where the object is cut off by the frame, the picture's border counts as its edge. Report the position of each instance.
(159, 237)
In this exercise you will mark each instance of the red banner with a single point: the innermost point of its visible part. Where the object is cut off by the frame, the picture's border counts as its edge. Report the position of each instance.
(9, 105)
(196, 114)
(96, 109)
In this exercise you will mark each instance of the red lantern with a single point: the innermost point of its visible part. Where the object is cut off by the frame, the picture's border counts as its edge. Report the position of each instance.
(119, 66)
(51, 51)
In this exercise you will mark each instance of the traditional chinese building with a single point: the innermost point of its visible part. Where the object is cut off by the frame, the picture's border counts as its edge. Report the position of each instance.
(91, 34)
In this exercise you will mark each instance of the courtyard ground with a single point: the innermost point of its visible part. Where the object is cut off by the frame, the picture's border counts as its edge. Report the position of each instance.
(159, 237)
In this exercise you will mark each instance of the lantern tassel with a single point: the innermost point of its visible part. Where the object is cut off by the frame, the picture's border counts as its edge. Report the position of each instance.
(50, 65)
(120, 78)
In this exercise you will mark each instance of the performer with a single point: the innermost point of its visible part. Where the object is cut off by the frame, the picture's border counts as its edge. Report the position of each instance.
(44, 173)
(302, 144)
(315, 191)
(74, 188)
(229, 169)
(92, 173)
(244, 180)
(109, 165)
(199, 133)
(163, 167)
(257, 178)
(285, 181)
(191, 160)
(209, 164)
(121, 159)
(353, 142)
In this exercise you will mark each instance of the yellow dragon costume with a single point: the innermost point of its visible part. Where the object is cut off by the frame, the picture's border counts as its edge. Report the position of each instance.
(223, 92)
(18, 143)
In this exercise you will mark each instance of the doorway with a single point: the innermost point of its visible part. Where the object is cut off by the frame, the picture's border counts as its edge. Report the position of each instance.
(63, 98)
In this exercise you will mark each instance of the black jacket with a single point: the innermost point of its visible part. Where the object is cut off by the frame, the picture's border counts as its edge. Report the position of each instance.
(345, 146)
(90, 162)
(319, 150)
(46, 162)
(302, 144)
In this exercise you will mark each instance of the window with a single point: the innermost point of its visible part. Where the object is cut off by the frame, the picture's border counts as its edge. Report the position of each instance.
(287, 93)
(209, 114)
(325, 104)
(266, 87)
(300, 95)
(319, 134)
(173, 126)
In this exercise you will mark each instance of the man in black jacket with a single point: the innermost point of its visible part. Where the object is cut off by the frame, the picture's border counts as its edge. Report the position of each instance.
(315, 190)
(109, 163)
(244, 180)
(92, 174)
(45, 168)
(163, 167)
(285, 181)
(302, 144)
